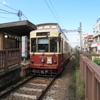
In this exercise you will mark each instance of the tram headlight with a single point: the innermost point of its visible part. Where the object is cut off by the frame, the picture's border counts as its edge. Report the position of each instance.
(31, 61)
(42, 60)
(55, 62)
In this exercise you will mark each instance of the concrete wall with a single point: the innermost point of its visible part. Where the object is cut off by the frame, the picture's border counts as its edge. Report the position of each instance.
(10, 77)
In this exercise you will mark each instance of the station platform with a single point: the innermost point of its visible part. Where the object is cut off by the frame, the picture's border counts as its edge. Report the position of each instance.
(13, 74)
(12, 68)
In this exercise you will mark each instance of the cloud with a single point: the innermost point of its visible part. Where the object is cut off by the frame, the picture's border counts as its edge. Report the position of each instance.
(3, 2)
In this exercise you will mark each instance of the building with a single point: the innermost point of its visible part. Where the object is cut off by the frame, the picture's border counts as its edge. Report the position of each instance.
(96, 37)
(87, 42)
(81, 42)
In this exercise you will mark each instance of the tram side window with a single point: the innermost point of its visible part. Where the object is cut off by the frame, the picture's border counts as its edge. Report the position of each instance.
(43, 44)
(59, 46)
(53, 45)
(66, 46)
(33, 45)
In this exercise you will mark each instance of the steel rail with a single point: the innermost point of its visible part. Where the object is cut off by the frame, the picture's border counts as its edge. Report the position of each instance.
(14, 87)
(44, 91)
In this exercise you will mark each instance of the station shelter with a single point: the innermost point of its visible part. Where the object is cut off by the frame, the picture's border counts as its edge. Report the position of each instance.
(12, 32)
(12, 67)
(11, 42)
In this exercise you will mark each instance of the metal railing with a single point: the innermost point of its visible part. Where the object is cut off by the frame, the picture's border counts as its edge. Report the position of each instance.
(9, 57)
(91, 74)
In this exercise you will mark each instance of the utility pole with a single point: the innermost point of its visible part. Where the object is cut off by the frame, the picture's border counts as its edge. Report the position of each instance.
(80, 34)
(79, 30)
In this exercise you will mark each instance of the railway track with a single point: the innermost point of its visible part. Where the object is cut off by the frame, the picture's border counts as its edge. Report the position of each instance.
(33, 89)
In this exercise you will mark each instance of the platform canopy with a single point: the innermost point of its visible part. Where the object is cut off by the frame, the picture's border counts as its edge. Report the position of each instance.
(18, 28)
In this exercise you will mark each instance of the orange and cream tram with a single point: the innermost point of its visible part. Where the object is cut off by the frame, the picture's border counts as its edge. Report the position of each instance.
(49, 49)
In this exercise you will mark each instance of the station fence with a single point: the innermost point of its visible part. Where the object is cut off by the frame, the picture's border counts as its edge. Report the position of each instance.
(9, 58)
(90, 72)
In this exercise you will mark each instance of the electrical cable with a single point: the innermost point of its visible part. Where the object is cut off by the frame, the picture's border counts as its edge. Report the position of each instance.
(55, 12)
(8, 11)
(51, 10)
(6, 18)
(4, 12)
(13, 9)
(8, 6)
(24, 16)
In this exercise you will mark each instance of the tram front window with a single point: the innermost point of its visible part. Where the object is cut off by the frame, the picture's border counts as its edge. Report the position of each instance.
(33, 45)
(53, 44)
(43, 45)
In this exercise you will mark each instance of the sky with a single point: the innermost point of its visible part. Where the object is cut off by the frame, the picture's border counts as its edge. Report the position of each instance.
(67, 13)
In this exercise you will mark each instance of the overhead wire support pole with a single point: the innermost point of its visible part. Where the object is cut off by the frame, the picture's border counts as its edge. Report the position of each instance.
(80, 34)
(19, 14)
(79, 30)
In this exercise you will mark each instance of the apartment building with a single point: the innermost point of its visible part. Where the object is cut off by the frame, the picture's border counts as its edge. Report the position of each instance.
(87, 42)
(83, 35)
(96, 37)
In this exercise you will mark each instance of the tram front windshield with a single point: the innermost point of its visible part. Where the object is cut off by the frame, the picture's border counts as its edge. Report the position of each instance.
(44, 45)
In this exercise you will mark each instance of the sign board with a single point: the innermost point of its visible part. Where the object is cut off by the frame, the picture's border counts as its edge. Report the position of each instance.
(24, 46)
(98, 47)
(94, 45)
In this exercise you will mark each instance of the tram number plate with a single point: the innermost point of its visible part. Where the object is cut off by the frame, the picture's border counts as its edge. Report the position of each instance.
(52, 67)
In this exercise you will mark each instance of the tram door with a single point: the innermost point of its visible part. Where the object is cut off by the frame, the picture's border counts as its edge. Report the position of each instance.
(1, 41)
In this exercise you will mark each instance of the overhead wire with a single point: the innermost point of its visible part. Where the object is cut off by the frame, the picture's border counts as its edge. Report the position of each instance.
(12, 9)
(57, 18)
(8, 6)
(25, 16)
(6, 18)
(7, 11)
(51, 10)
(56, 12)
(4, 12)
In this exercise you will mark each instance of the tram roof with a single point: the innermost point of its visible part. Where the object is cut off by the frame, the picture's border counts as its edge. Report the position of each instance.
(19, 28)
(47, 24)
